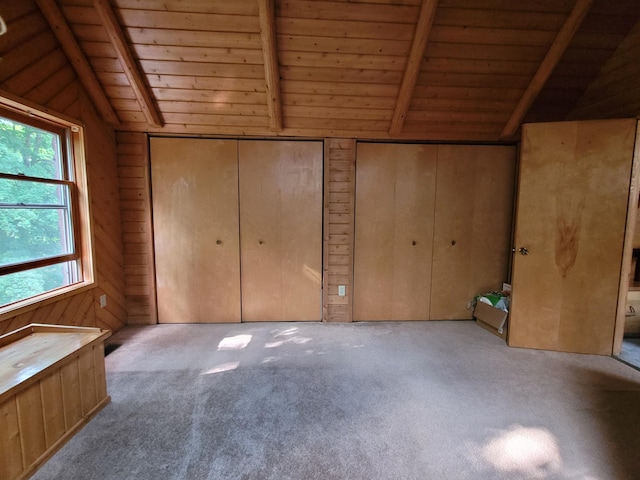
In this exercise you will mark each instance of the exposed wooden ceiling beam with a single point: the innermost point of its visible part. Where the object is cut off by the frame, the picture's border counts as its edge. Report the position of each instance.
(131, 70)
(76, 57)
(412, 69)
(271, 69)
(553, 56)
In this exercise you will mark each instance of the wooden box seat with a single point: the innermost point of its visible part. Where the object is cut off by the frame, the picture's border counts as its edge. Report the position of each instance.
(52, 381)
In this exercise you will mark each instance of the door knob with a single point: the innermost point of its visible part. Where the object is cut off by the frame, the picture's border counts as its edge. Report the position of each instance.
(523, 251)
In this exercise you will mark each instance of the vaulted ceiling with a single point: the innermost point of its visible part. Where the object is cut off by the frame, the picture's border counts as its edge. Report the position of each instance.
(470, 70)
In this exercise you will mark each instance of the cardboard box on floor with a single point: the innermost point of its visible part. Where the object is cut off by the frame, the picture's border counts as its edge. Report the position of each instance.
(491, 319)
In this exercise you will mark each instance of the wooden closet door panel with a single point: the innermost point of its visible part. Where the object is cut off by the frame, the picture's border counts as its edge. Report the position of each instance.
(281, 230)
(572, 207)
(195, 218)
(474, 204)
(395, 193)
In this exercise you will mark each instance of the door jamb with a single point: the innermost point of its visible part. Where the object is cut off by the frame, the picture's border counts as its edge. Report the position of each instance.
(627, 253)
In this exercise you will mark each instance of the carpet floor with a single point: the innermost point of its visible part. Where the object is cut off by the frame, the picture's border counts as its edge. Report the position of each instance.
(407, 400)
(631, 352)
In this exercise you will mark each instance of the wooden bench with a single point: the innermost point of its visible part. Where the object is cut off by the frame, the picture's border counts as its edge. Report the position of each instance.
(52, 382)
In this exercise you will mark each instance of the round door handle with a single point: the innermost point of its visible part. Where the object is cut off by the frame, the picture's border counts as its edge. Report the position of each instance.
(260, 242)
(218, 242)
(453, 242)
(523, 251)
(414, 243)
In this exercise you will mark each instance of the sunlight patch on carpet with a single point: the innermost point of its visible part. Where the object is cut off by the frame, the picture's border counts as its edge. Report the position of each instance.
(237, 342)
(294, 340)
(532, 452)
(225, 367)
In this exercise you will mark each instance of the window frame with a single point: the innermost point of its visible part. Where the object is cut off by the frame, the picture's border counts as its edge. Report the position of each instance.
(72, 146)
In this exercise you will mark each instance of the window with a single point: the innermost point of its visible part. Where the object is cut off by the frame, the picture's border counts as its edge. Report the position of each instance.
(43, 230)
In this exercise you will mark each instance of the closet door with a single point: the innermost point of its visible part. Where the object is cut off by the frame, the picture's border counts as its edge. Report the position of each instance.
(195, 218)
(281, 230)
(472, 241)
(395, 195)
(572, 208)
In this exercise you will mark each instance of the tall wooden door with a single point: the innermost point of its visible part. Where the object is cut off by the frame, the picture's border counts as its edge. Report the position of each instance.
(395, 195)
(195, 218)
(570, 226)
(472, 238)
(281, 230)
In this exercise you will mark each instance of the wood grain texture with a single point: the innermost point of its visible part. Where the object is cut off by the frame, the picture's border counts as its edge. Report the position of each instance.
(49, 80)
(195, 217)
(128, 62)
(412, 67)
(76, 309)
(77, 58)
(29, 351)
(270, 59)
(53, 408)
(546, 67)
(474, 203)
(71, 395)
(395, 200)
(627, 273)
(137, 229)
(334, 55)
(41, 404)
(10, 447)
(281, 230)
(31, 423)
(87, 380)
(565, 292)
(339, 215)
(614, 93)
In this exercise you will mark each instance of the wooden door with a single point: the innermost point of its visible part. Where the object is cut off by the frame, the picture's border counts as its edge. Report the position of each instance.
(281, 230)
(395, 194)
(572, 206)
(195, 218)
(472, 239)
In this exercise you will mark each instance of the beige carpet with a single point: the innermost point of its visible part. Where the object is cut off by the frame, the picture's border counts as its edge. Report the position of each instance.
(426, 400)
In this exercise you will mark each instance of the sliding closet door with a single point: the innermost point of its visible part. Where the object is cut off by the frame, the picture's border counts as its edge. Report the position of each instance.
(195, 218)
(395, 195)
(472, 242)
(281, 230)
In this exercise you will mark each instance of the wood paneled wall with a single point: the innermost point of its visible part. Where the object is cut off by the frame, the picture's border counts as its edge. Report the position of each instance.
(339, 181)
(343, 67)
(137, 230)
(34, 68)
(616, 91)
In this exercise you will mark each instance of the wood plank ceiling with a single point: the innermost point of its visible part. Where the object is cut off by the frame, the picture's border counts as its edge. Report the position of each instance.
(461, 70)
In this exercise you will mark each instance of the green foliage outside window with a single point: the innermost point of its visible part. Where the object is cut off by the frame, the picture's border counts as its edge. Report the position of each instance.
(31, 233)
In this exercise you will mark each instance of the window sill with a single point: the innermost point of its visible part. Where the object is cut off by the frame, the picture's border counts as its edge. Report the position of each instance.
(25, 306)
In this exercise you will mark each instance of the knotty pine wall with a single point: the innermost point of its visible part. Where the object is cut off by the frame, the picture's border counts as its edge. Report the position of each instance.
(339, 186)
(34, 68)
(137, 228)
